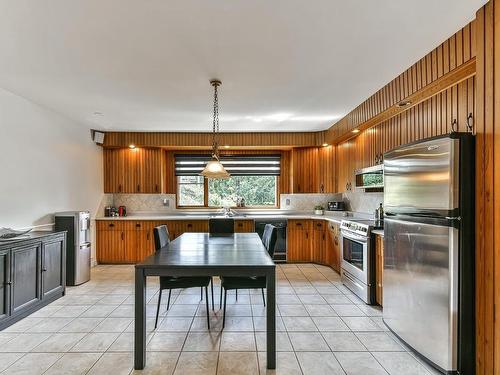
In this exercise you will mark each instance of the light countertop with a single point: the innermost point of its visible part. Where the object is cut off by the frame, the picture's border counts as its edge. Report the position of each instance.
(379, 232)
(329, 216)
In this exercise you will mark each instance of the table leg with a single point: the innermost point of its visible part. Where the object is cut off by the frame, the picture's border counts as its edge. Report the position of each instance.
(140, 320)
(271, 319)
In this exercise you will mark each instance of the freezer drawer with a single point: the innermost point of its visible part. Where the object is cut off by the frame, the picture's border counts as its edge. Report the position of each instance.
(82, 264)
(421, 288)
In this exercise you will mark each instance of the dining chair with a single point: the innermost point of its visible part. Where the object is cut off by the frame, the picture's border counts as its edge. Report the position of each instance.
(269, 238)
(221, 226)
(162, 239)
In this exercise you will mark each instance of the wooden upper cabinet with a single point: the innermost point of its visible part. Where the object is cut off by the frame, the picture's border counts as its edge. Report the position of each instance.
(326, 164)
(132, 171)
(346, 165)
(305, 170)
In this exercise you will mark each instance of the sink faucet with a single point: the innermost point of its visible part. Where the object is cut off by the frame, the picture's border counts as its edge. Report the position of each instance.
(227, 211)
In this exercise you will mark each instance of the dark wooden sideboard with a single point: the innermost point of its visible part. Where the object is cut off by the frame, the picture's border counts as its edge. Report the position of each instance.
(32, 274)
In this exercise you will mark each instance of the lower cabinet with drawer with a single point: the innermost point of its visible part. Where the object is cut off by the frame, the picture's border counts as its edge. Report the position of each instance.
(32, 274)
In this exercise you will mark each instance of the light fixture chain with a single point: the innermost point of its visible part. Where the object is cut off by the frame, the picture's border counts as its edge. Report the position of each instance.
(215, 141)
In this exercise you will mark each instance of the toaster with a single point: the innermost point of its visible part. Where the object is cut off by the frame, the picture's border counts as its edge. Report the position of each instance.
(336, 206)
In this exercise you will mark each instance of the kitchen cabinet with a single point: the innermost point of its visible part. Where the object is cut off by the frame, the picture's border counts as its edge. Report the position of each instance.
(299, 240)
(26, 270)
(136, 170)
(53, 267)
(333, 246)
(32, 274)
(319, 241)
(379, 268)
(130, 241)
(244, 226)
(346, 165)
(326, 170)
(305, 170)
(4, 283)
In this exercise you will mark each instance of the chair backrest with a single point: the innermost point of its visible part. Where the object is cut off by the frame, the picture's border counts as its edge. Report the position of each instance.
(161, 236)
(269, 238)
(221, 226)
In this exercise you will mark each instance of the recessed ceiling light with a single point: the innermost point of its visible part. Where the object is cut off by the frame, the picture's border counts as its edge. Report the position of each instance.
(325, 144)
(132, 146)
(404, 103)
(226, 146)
(98, 114)
(355, 131)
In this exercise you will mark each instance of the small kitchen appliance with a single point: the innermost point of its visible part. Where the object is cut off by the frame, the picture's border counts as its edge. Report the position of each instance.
(336, 206)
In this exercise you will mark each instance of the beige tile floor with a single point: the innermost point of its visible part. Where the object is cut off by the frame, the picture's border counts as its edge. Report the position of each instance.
(322, 329)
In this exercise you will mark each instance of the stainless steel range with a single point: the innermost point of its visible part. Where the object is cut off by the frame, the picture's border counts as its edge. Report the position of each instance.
(358, 258)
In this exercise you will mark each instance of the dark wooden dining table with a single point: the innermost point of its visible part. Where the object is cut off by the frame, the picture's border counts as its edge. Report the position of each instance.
(203, 254)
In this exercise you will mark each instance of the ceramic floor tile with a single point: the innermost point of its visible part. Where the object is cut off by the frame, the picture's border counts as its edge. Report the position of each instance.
(70, 311)
(319, 363)
(327, 324)
(33, 364)
(239, 324)
(197, 363)
(82, 325)
(283, 343)
(99, 311)
(50, 324)
(7, 359)
(312, 299)
(308, 341)
(24, 342)
(95, 342)
(59, 343)
(299, 323)
(238, 363)
(159, 363)
(202, 342)
(379, 342)
(286, 364)
(74, 364)
(237, 342)
(320, 310)
(343, 341)
(292, 310)
(348, 310)
(166, 341)
(175, 324)
(360, 324)
(359, 363)
(400, 363)
(113, 363)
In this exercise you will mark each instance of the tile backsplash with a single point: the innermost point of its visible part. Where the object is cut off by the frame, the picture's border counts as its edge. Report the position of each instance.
(358, 201)
(355, 201)
(306, 202)
(145, 202)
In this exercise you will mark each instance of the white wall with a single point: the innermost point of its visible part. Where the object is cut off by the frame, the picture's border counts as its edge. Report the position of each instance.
(48, 163)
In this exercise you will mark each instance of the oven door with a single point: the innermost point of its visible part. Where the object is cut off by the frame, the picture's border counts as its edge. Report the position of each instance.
(355, 255)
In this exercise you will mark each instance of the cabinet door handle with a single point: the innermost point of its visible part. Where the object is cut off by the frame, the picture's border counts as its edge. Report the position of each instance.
(8, 283)
(44, 269)
(137, 225)
(123, 236)
(322, 188)
(298, 187)
(156, 188)
(190, 225)
(120, 188)
(240, 224)
(111, 225)
(307, 235)
(138, 187)
(147, 236)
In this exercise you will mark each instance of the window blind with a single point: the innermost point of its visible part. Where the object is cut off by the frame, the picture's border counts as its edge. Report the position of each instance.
(236, 165)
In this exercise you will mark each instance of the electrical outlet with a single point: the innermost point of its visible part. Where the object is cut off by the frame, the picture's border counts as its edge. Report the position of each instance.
(287, 202)
(166, 202)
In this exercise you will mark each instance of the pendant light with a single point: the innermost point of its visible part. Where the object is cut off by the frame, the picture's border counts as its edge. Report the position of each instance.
(214, 168)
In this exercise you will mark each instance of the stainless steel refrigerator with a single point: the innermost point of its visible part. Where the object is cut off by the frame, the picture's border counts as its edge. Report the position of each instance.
(428, 277)
(78, 245)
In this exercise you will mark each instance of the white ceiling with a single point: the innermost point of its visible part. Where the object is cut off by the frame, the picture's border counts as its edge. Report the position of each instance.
(285, 65)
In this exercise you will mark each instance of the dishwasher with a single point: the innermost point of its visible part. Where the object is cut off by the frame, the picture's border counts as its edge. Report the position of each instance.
(280, 247)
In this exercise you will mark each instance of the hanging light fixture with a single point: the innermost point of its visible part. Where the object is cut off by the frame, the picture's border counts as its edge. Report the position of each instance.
(214, 168)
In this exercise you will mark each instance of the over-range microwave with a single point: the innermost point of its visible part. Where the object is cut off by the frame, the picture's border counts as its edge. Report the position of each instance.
(370, 178)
